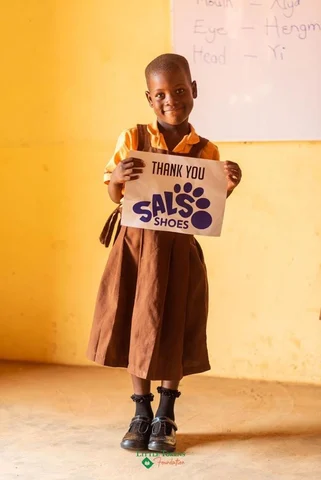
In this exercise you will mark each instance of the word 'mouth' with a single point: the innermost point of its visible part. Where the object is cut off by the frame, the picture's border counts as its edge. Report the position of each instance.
(175, 170)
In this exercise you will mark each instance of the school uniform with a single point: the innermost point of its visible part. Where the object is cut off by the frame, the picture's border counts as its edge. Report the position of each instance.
(152, 303)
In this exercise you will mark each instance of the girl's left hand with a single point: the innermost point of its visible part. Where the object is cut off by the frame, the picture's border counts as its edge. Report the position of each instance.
(233, 174)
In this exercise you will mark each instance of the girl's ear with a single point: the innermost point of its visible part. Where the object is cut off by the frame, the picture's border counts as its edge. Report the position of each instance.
(149, 98)
(194, 89)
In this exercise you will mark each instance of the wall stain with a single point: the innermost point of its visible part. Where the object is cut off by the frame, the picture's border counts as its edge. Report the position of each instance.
(296, 342)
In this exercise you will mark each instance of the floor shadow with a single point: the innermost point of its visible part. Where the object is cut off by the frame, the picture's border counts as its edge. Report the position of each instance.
(189, 440)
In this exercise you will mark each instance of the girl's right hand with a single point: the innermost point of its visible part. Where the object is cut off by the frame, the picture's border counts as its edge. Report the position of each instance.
(127, 170)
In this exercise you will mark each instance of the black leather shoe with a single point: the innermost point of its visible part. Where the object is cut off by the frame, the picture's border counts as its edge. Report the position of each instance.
(163, 436)
(138, 434)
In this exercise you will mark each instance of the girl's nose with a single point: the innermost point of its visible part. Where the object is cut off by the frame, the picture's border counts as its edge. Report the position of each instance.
(170, 99)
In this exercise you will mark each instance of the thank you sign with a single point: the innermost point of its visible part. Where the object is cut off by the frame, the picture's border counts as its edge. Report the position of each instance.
(176, 194)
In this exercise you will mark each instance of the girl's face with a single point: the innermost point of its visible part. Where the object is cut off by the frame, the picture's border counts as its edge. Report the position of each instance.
(171, 96)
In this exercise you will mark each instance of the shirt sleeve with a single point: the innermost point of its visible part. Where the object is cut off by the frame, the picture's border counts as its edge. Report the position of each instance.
(210, 152)
(127, 141)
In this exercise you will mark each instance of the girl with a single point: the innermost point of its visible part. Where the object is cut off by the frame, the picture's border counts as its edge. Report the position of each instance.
(152, 305)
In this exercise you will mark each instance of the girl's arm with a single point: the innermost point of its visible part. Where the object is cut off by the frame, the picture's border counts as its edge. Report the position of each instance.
(115, 191)
(126, 170)
(233, 174)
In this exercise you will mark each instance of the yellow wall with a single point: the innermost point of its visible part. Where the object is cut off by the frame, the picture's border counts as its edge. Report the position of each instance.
(72, 79)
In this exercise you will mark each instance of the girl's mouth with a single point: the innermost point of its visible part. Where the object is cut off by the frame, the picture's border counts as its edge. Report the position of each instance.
(173, 109)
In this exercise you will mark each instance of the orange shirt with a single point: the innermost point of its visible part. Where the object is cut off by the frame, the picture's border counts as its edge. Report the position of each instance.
(128, 140)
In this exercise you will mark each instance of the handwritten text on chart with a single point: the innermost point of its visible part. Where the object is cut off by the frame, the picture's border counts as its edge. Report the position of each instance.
(212, 40)
(287, 7)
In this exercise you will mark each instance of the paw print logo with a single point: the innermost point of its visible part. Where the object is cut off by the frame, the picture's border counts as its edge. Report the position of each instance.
(200, 219)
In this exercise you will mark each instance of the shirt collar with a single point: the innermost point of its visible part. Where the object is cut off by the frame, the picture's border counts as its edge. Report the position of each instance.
(189, 139)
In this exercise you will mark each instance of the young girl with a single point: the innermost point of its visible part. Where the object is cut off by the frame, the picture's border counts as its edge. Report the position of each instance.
(152, 304)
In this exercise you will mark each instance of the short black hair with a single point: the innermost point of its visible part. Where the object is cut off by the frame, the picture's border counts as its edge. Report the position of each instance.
(166, 63)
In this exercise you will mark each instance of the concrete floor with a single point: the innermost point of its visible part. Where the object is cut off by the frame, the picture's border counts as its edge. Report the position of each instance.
(62, 423)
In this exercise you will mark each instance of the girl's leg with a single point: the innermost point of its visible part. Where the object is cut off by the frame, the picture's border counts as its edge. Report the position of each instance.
(142, 396)
(168, 394)
(140, 385)
(171, 384)
(138, 433)
(163, 435)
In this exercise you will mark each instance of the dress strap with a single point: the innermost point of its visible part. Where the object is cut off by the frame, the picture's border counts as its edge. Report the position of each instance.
(198, 147)
(144, 144)
(108, 230)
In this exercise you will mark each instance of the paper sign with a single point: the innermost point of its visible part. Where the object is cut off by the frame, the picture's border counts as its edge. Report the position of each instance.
(176, 194)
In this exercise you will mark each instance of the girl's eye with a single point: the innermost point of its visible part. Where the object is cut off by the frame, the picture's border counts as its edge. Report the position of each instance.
(179, 91)
(159, 95)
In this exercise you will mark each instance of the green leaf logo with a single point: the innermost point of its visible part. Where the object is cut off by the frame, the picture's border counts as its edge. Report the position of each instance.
(147, 463)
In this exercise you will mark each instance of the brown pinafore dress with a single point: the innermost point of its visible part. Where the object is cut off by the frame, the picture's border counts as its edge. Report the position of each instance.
(152, 304)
